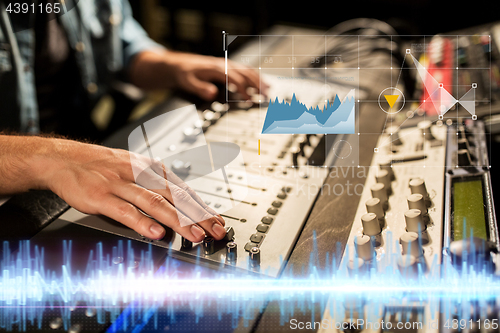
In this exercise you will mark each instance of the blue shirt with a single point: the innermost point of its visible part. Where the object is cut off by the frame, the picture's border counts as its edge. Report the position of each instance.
(104, 36)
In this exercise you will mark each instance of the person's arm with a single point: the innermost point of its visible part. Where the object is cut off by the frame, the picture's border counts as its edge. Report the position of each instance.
(99, 180)
(157, 69)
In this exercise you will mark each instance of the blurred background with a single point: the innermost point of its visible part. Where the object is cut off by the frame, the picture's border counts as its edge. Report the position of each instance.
(196, 26)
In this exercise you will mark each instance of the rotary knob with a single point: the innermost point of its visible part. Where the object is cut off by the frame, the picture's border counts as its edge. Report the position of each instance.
(386, 164)
(186, 244)
(356, 266)
(374, 205)
(371, 224)
(416, 201)
(379, 191)
(425, 128)
(410, 244)
(417, 186)
(384, 177)
(414, 221)
(365, 248)
(408, 266)
(393, 131)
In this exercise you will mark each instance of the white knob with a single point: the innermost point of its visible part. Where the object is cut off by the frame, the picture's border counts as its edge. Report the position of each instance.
(386, 164)
(416, 201)
(417, 185)
(408, 266)
(364, 247)
(384, 177)
(414, 221)
(374, 205)
(410, 244)
(379, 191)
(371, 224)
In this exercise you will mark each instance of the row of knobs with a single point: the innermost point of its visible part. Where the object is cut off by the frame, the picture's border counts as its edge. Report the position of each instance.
(231, 248)
(416, 217)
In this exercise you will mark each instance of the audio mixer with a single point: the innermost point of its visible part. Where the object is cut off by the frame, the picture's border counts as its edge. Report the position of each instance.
(265, 195)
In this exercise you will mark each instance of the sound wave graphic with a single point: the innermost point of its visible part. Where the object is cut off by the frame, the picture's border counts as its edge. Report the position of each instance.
(295, 118)
(118, 280)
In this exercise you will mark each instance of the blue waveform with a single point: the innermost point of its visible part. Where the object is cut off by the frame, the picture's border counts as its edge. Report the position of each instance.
(124, 279)
(296, 118)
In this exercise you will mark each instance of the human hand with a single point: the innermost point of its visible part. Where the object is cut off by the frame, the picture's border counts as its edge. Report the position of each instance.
(98, 180)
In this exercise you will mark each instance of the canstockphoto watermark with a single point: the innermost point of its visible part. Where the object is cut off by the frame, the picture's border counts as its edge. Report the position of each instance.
(358, 324)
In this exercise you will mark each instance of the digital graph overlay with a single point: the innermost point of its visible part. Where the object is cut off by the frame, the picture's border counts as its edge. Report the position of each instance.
(296, 118)
(316, 68)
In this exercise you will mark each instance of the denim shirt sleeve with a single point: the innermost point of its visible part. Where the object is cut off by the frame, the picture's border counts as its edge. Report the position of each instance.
(134, 38)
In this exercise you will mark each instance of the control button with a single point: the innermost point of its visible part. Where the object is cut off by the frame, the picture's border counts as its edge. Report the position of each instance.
(229, 233)
(475, 251)
(254, 254)
(277, 204)
(262, 228)
(219, 107)
(365, 247)
(267, 220)
(256, 238)
(281, 195)
(416, 201)
(384, 178)
(231, 252)
(208, 245)
(464, 158)
(379, 191)
(425, 128)
(186, 244)
(249, 246)
(374, 205)
(371, 224)
(75, 328)
(386, 164)
(191, 133)
(410, 244)
(180, 168)
(414, 221)
(90, 312)
(286, 189)
(272, 211)
(417, 185)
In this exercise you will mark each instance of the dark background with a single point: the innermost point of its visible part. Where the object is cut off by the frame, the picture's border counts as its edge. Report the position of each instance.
(196, 26)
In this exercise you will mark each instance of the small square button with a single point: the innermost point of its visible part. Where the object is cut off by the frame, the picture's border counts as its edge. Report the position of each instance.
(256, 238)
(277, 203)
(267, 220)
(282, 195)
(262, 227)
(272, 211)
(249, 245)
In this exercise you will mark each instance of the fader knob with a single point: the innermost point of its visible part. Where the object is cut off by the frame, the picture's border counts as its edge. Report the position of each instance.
(379, 191)
(464, 158)
(374, 205)
(384, 178)
(208, 245)
(231, 252)
(414, 221)
(371, 224)
(364, 247)
(410, 244)
(254, 255)
(417, 201)
(417, 186)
